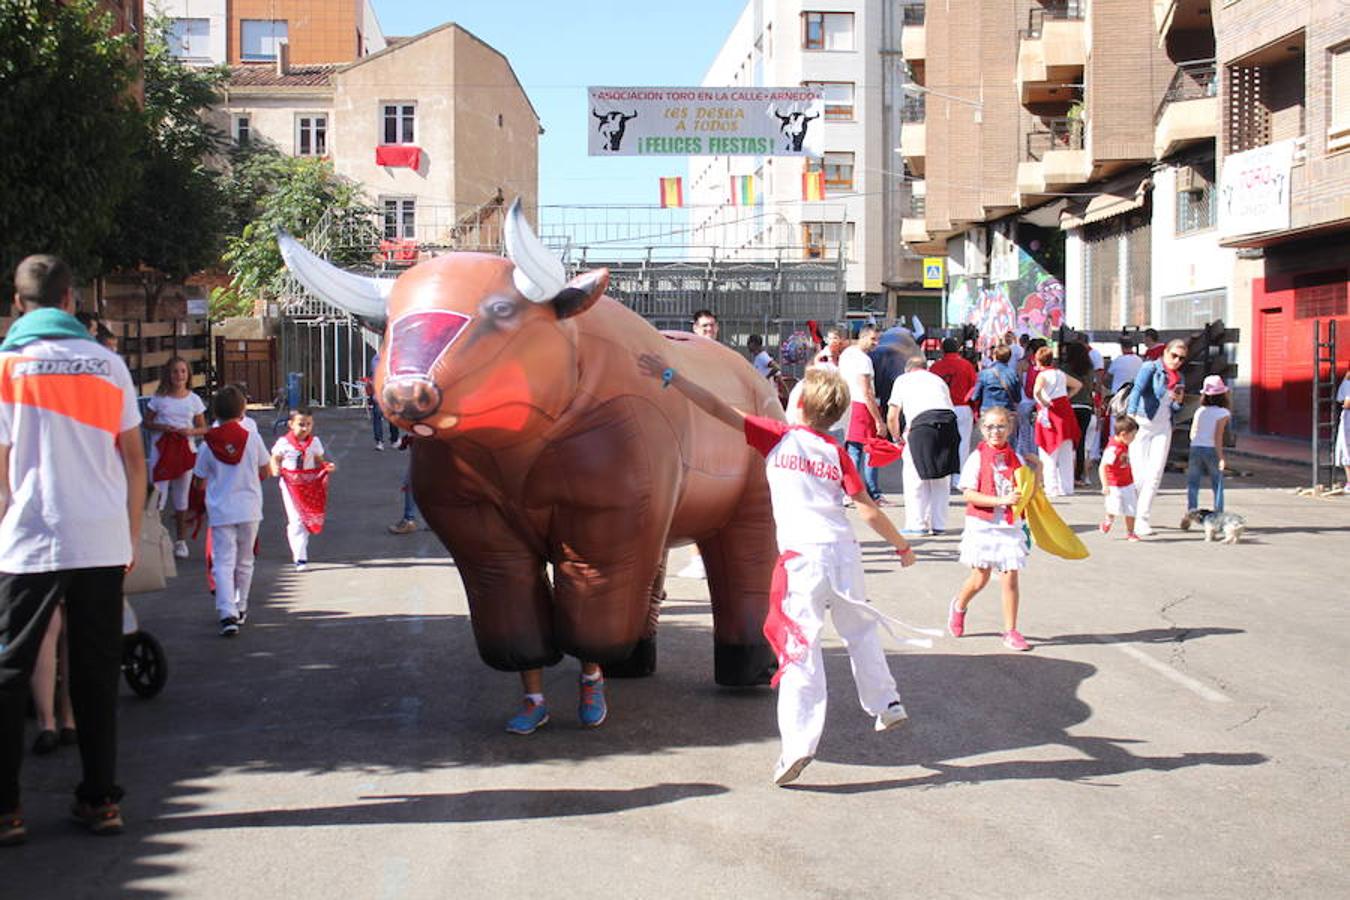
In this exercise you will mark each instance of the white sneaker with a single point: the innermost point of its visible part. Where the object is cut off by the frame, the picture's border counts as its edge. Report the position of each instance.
(785, 773)
(1142, 528)
(379, 445)
(180, 549)
(693, 569)
(892, 716)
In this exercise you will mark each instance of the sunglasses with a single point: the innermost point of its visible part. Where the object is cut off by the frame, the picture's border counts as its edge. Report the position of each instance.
(1175, 355)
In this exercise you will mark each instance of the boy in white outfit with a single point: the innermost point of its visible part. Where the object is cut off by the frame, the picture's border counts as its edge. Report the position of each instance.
(820, 564)
(233, 462)
(299, 451)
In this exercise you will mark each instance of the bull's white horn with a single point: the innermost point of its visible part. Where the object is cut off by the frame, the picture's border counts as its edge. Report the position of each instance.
(539, 275)
(357, 294)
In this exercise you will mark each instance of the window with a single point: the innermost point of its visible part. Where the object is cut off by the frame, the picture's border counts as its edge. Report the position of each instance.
(838, 99)
(1117, 271)
(1194, 310)
(311, 135)
(258, 38)
(827, 31)
(190, 38)
(398, 123)
(400, 218)
(822, 239)
(838, 168)
(1197, 200)
(1338, 100)
(241, 130)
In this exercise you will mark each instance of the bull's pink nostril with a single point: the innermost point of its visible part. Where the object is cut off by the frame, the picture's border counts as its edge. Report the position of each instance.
(411, 398)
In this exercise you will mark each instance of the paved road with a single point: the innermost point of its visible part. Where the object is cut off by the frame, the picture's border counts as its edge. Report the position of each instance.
(1178, 730)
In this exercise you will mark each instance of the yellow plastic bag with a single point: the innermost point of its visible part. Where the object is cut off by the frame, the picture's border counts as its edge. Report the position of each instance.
(1048, 530)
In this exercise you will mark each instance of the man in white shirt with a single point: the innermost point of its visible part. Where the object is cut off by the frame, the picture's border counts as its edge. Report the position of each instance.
(72, 487)
(932, 444)
(865, 419)
(760, 358)
(1124, 367)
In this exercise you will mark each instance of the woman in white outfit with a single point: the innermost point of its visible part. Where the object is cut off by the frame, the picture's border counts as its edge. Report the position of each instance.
(1157, 394)
(1056, 425)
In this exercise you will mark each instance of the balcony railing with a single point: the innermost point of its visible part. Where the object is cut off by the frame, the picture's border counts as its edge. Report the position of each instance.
(912, 110)
(1055, 10)
(912, 14)
(1194, 80)
(918, 203)
(1060, 133)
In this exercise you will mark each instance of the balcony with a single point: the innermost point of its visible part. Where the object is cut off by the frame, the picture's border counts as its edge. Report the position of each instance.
(1052, 51)
(912, 131)
(1180, 15)
(1189, 110)
(912, 43)
(1056, 155)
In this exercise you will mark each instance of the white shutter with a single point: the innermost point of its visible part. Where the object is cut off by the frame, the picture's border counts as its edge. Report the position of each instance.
(1340, 89)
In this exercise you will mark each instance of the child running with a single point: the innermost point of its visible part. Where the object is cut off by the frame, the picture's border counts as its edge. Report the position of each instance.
(298, 460)
(233, 464)
(993, 537)
(1118, 478)
(177, 415)
(820, 565)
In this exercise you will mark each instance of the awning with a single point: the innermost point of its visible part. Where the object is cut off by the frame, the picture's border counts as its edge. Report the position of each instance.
(1116, 198)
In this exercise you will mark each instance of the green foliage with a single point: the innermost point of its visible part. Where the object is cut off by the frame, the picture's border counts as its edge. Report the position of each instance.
(176, 95)
(299, 192)
(226, 303)
(68, 134)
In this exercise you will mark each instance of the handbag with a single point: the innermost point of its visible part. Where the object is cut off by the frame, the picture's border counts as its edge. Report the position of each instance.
(154, 556)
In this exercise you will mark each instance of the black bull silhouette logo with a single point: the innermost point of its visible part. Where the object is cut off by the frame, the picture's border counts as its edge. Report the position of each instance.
(611, 127)
(794, 126)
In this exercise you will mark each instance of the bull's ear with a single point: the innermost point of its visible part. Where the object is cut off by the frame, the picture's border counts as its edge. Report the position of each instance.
(581, 293)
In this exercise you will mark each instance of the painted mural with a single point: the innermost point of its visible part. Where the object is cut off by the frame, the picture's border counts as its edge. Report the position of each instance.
(1033, 302)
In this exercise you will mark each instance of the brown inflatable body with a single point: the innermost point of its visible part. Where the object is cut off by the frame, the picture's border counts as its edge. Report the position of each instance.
(540, 443)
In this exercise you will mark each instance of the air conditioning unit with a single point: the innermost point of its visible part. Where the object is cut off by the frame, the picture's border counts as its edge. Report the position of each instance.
(1189, 180)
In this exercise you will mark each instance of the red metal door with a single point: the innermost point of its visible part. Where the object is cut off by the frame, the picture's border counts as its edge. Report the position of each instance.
(1269, 380)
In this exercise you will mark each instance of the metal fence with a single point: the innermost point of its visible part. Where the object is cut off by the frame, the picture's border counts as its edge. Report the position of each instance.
(1054, 133)
(1194, 80)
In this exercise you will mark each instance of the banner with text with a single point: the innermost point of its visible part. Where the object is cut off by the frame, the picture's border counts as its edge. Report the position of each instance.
(1254, 190)
(706, 121)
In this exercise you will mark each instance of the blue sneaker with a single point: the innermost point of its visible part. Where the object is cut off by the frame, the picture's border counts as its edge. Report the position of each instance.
(530, 717)
(591, 709)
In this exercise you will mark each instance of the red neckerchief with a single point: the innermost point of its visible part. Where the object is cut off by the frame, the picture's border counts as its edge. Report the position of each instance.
(1173, 377)
(302, 447)
(227, 442)
(988, 456)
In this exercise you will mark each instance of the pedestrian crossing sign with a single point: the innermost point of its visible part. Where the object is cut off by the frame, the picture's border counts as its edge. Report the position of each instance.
(932, 272)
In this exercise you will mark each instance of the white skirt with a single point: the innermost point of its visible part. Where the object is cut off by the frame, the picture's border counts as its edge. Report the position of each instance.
(986, 545)
(1343, 439)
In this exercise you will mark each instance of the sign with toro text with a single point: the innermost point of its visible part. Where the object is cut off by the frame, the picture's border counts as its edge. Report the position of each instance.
(706, 121)
(1254, 190)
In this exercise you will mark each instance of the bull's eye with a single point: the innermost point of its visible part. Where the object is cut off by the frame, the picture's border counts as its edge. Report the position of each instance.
(500, 308)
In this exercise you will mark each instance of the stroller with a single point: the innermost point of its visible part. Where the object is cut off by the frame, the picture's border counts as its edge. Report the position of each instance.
(144, 664)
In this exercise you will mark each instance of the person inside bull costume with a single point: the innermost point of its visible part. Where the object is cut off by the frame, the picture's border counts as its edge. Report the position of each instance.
(541, 451)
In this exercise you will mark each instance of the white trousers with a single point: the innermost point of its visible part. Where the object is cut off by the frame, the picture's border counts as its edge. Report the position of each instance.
(296, 532)
(232, 566)
(925, 498)
(1148, 458)
(965, 423)
(1058, 468)
(175, 492)
(828, 576)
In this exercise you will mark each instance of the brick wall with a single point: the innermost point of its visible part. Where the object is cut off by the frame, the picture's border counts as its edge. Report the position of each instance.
(319, 31)
(1127, 73)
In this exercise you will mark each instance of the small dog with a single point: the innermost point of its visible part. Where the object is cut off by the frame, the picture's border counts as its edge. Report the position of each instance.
(1229, 526)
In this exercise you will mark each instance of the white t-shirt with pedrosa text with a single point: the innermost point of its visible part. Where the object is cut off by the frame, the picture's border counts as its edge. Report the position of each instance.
(233, 492)
(63, 404)
(809, 475)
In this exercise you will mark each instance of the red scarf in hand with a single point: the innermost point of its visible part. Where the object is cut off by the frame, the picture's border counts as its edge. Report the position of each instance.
(308, 487)
(785, 636)
(227, 442)
(175, 456)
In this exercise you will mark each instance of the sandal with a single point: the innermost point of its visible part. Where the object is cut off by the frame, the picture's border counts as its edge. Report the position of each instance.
(12, 830)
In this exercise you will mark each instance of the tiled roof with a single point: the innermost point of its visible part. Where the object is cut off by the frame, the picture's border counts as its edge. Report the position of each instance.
(265, 75)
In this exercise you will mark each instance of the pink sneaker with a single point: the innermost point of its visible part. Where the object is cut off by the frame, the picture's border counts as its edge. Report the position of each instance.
(1105, 526)
(1013, 640)
(956, 620)
(1134, 537)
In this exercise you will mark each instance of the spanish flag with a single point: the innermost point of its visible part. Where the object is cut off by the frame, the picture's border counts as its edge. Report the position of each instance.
(813, 185)
(672, 192)
(742, 190)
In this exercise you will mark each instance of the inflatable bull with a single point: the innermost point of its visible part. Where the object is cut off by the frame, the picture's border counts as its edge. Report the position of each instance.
(540, 443)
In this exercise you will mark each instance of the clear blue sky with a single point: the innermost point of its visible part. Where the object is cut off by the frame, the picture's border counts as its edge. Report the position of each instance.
(558, 49)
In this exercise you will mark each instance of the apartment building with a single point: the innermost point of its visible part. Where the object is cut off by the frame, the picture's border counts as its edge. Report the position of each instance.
(1284, 186)
(839, 46)
(436, 127)
(208, 32)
